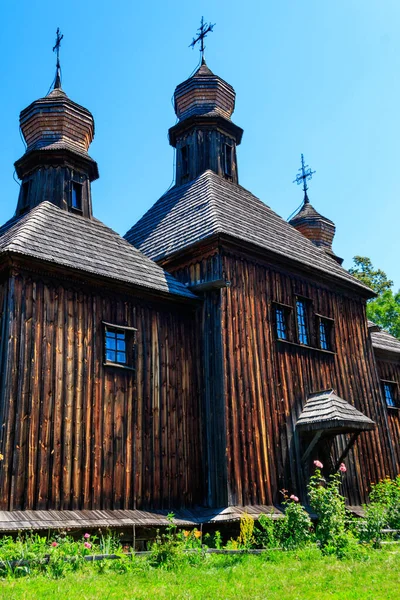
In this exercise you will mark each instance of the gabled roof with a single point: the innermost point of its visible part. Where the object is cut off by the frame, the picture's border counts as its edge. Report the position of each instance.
(209, 205)
(383, 340)
(56, 236)
(327, 411)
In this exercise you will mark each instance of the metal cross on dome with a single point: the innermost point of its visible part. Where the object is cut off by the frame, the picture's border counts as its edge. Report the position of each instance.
(57, 46)
(56, 49)
(203, 30)
(304, 173)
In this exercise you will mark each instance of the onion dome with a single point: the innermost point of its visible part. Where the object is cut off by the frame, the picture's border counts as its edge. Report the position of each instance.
(204, 94)
(53, 124)
(318, 229)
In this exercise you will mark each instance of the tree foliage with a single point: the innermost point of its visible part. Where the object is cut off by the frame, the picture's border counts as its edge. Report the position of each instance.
(376, 279)
(385, 309)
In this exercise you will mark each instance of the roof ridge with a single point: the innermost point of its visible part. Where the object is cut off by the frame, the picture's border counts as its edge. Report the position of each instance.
(173, 224)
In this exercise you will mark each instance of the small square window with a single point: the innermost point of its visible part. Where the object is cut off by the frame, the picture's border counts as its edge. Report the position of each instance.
(119, 344)
(302, 322)
(76, 195)
(391, 393)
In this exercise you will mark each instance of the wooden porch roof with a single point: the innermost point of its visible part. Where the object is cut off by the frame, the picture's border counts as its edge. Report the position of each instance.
(326, 411)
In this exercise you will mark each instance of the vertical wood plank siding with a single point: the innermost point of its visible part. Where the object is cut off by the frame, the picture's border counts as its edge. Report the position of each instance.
(267, 383)
(390, 370)
(78, 434)
(209, 322)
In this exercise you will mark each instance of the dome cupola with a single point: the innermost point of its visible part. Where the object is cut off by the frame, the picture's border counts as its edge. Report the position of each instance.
(318, 229)
(204, 94)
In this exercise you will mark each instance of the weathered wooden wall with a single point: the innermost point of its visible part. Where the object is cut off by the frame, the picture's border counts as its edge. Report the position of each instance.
(267, 383)
(78, 434)
(208, 268)
(389, 369)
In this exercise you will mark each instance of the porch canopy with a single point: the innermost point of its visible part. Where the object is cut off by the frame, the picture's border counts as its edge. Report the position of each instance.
(325, 413)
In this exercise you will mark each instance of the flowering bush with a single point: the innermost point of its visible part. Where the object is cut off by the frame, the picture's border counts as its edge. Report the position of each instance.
(329, 505)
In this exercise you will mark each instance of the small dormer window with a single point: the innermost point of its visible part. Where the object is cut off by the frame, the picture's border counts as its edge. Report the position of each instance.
(76, 195)
(227, 159)
(185, 161)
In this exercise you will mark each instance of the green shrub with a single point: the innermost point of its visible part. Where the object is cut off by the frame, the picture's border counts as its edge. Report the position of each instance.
(386, 493)
(265, 532)
(167, 550)
(293, 531)
(371, 527)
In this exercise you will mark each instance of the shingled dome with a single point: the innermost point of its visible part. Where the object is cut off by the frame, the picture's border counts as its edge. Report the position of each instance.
(327, 411)
(55, 121)
(204, 94)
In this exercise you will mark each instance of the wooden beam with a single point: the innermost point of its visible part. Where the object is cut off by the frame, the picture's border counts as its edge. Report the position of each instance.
(311, 445)
(347, 449)
(217, 284)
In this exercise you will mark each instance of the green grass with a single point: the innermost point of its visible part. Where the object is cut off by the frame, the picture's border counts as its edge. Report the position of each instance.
(305, 575)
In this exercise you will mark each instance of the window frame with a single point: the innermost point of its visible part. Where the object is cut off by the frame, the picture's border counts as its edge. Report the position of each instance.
(330, 337)
(26, 187)
(287, 311)
(395, 394)
(76, 185)
(307, 304)
(185, 155)
(227, 159)
(130, 345)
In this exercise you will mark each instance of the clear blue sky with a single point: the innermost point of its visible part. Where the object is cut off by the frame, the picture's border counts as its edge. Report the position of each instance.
(317, 77)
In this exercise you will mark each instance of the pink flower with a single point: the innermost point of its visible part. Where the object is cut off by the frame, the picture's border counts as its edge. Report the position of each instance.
(87, 545)
(318, 464)
(54, 544)
(86, 536)
(294, 498)
(342, 468)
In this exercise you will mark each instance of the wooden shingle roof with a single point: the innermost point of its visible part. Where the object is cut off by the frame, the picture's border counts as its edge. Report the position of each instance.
(382, 340)
(325, 410)
(211, 205)
(56, 236)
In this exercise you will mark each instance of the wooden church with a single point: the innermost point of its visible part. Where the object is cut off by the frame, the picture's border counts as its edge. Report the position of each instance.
(203, 360)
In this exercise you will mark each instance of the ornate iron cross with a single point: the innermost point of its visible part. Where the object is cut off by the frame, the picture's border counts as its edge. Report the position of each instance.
(203, 30)
(57, 46)
(304, 174)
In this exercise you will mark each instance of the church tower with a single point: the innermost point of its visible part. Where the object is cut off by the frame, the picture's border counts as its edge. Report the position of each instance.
(205, 137)
(56, 165)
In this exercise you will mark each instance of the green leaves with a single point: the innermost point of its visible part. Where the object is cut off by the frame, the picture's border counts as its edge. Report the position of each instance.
(376, 279)
(385, 309)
